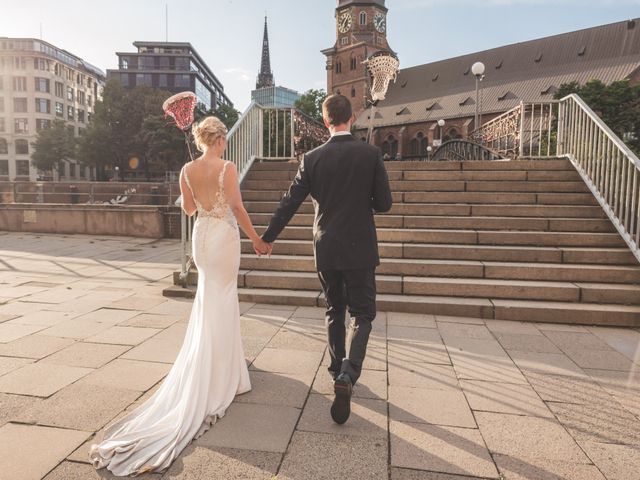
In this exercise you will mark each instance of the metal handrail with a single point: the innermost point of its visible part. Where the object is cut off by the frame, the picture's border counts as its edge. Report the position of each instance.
(608, 167)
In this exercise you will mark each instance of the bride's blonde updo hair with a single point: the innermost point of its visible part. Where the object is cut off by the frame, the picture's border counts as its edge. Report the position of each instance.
(207, 132)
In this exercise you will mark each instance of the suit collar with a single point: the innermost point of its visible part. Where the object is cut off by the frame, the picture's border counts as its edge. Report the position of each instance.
(341, 138)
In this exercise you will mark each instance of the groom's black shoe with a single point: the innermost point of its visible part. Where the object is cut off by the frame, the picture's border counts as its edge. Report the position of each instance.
(341, 408)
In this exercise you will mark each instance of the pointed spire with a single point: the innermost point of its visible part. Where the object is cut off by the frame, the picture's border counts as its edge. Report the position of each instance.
(265, 78)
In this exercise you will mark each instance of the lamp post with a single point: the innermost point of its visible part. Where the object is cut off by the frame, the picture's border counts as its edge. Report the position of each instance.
(478, 70)
(441, 123)
(117, 173)
(429, 150)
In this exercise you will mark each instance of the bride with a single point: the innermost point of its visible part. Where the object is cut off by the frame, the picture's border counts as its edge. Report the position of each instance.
(210, 369)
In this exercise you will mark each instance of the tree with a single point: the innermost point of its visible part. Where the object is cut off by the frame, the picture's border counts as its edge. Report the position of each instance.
(618, 104)
(311, 103)
(53, 146)
(116, 131)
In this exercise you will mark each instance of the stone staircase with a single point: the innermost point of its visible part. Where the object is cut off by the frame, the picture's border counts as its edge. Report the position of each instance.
(518, 240)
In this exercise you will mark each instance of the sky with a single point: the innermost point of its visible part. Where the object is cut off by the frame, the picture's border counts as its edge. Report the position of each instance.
(228, 33)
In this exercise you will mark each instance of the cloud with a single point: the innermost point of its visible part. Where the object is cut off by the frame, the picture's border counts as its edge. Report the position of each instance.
(237, 73)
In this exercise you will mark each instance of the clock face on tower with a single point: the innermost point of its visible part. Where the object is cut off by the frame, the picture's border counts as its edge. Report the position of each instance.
(345, 22)
(380, 22)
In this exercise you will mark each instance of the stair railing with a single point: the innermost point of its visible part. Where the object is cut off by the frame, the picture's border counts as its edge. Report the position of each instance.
(608, 166)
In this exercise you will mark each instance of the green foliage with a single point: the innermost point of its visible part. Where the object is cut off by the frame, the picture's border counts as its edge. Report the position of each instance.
(311, 103)
(53, 146)
(226, 113)
(130, 123)
(618, 104)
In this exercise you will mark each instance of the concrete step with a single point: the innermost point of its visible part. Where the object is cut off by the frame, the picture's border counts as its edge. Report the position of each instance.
(459, 210)
(564, 312)
(472, 237)
(491, 175)
(467, 222)
(585, 199)
(609, 256)
(552, 164)
(446, 186)
(465, 269)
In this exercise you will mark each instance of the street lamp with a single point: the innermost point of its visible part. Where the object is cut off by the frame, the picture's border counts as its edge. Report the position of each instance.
(478, 70)
(441, 123)
(117, 173)
(429, 150)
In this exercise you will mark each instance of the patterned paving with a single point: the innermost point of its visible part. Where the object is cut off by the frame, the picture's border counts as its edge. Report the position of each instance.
(85, 335)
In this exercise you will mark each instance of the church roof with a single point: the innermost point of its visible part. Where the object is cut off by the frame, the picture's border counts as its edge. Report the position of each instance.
(345, 3)
(529, 71)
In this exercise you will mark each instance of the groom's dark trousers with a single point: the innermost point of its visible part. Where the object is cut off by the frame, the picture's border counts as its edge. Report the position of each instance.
(347, 181)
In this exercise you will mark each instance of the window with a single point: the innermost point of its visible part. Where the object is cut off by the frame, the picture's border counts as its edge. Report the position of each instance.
(3, 147)
(143, 79)
(69, 73)
(59, 109)
(22, 168)
(182, 80)
(164, 63)
(59, 90)
(22, 147)
(380, 40)
(80, 97)
(21, 125)
(124, 79)
(162, 80)
(353, 92)
(2, 125)
(89, 100)
(20, 63)
(419, 145)
(41, 64)
(344, 41)
(58, 69)
(20, 105)
(43, 105)
(71, 113)
(363, 18)
(42, 124)
(338, 67)
(81, 116)
(88, 117)
(42, 84)
(4, 167)
(390, 147)
(354, 63)
(72, 170)
(70, 94)
(19, 84)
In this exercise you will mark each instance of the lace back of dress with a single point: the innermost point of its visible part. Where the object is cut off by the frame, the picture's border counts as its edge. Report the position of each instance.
(219, 208)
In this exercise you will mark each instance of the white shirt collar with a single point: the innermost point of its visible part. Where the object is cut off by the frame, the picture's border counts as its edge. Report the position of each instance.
(340, 134)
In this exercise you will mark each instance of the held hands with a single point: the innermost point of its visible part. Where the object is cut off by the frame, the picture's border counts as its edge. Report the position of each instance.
(261, 247)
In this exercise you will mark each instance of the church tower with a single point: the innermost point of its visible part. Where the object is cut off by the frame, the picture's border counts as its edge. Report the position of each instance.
(361, 30)
(265, 77)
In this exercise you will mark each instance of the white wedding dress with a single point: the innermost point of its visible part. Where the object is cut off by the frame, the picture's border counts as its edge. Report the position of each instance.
(210, 369)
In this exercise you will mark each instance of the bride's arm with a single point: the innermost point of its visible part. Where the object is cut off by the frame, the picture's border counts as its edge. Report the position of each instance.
(188, 203)
(234, 199)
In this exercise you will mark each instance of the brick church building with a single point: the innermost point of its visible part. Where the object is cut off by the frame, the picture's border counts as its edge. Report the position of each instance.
(406, 122)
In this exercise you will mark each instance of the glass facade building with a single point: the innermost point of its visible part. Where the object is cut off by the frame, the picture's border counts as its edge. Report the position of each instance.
(172, 66)
(279, 97)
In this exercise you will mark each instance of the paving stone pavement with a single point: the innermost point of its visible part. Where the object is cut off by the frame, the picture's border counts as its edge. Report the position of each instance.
(85, 335)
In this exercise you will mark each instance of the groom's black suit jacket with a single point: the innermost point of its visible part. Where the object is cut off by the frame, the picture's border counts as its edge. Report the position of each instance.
(347, 181)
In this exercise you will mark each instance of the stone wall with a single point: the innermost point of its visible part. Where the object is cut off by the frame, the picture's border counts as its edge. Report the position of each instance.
(134, 221)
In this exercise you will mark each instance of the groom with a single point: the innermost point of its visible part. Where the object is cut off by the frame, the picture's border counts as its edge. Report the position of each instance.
(347, 181)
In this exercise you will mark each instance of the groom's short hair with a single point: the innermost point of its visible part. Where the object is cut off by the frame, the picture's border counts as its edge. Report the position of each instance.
(336, 109)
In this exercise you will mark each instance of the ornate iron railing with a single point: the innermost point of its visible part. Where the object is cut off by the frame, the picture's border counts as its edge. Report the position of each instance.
(459, 150)
(264, 134)
(526, 130)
